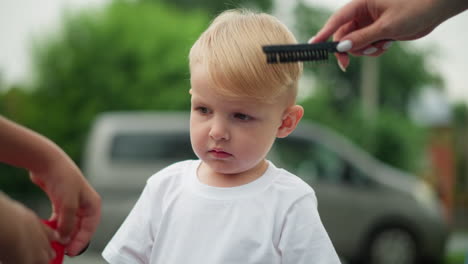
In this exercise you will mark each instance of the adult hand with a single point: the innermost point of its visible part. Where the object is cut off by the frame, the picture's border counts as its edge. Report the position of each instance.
(76, 206)
(368, 27)
(24, 238)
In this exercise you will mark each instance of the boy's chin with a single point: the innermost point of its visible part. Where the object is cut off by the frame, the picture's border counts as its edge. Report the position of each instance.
(222, 167)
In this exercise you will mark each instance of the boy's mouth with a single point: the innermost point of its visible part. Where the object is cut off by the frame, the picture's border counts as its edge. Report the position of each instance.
(219, 153)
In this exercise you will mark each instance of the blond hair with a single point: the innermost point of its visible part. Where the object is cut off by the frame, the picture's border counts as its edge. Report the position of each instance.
(231, 51)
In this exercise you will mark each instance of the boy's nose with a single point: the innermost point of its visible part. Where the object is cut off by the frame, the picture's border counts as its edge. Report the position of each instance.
(219, 131)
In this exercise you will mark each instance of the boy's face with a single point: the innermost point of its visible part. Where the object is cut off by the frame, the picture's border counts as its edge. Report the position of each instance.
(230, 135)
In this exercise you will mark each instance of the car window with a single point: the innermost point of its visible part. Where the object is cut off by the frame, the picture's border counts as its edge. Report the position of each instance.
(312, 161)
(150, 147)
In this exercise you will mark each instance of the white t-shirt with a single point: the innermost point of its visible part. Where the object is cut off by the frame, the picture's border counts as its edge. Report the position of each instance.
(179, 220)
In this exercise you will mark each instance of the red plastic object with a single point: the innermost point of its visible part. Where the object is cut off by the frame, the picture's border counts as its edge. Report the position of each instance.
(59, 248)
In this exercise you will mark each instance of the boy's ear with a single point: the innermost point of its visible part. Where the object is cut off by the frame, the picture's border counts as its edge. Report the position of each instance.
(291, 118)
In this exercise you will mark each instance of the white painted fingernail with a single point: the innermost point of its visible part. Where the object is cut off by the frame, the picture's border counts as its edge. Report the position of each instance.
(341, 66)
(387, 45)
(369, 51)
(311, 39)
(344, 46)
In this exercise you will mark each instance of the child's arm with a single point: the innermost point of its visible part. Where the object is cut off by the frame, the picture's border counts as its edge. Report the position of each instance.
(304, 240)
(76, 205)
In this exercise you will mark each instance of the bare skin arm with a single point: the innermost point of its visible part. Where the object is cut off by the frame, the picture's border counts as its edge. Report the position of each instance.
(76, 205)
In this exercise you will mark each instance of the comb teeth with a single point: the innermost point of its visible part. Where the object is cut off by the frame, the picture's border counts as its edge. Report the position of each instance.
(295, 56)
(299, 52)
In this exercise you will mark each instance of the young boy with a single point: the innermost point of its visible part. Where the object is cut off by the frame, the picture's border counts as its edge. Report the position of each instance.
(232, 206)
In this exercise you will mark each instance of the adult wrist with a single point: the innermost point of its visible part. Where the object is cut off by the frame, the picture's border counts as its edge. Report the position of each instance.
(46, 155)
(451, 8)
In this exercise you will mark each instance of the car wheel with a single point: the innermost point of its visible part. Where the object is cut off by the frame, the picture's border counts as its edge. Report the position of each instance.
(392, 246)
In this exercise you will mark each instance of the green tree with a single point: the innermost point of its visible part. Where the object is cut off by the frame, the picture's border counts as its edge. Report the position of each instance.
(127, 56)
(460, 116)
(215, 6)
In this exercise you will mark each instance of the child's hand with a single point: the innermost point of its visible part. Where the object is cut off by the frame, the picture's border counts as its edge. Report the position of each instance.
(24, 238)
(76, 206)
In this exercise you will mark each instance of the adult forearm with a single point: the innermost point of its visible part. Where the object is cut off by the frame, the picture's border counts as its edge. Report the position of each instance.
(22, 147)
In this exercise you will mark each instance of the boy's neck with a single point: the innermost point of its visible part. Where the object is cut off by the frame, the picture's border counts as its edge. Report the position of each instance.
(209, 177)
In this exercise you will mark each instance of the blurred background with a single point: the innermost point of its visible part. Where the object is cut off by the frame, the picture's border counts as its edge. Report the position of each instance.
(64, 62)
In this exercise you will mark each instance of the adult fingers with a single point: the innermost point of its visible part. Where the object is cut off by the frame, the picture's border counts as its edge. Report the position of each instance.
(384, 44)
(48, 252)
(90, 215)
(44, 257)
(81, 238)
(67, 219)
(343, 60)
(52, 235)
(375, 49)
(338, 19)
(366, 36)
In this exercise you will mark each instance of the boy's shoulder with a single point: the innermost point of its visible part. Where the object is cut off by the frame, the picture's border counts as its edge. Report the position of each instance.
(289, 184)
(173, 173)
(288, 179)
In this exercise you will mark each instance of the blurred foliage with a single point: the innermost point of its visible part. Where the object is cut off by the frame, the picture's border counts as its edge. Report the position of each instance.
(126, 56)
(215, 6)
(456, 258)
(460, 119)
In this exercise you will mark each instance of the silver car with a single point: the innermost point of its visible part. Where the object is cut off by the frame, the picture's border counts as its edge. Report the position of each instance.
(373, 213)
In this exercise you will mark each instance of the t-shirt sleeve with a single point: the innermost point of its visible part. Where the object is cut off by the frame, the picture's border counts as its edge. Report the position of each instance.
(133, 241)
(303, 237)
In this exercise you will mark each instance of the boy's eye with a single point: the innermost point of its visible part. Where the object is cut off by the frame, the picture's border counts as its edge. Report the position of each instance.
(202, 110)
(242, 117)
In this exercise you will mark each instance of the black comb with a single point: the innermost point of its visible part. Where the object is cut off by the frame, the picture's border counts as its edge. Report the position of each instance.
(299, 52)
